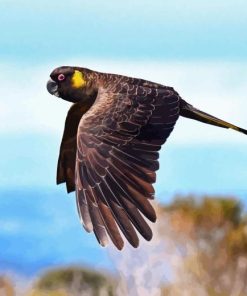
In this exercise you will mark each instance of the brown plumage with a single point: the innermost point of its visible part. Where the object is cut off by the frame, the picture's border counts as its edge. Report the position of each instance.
(110, 147)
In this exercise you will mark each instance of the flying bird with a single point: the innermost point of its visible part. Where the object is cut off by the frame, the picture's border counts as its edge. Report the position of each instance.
(110, 147)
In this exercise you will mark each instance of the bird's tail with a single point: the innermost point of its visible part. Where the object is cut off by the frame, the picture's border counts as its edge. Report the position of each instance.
(187, 110)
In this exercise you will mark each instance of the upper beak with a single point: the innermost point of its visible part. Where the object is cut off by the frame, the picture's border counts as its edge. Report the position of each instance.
(52, 87)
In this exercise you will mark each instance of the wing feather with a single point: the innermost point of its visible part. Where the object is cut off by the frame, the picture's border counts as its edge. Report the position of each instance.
(68, 147)
(118, 141)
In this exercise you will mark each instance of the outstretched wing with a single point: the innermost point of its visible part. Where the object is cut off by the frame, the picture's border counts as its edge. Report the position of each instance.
(117, 155)
(68, 147)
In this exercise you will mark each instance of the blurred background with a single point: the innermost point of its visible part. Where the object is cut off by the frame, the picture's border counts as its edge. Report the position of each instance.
(200, 241)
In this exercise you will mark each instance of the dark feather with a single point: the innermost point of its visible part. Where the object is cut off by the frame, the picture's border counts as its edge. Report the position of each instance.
(68, 147)
(118, 159)
(110, 149)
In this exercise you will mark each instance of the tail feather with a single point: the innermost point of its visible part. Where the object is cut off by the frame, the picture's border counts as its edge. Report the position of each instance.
(188, 111)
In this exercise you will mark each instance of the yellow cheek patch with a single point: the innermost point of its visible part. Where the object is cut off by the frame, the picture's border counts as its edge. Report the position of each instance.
(78, 80)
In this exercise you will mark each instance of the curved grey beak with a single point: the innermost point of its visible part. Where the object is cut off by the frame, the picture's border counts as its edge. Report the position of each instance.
(52, 87)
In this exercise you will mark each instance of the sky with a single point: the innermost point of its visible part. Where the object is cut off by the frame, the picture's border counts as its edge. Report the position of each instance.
(198, 47)
(177, 29)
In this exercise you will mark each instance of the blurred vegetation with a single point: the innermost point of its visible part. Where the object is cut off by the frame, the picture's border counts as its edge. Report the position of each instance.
(6, 287)
(73, 281)
(207, 236)
(211, 235)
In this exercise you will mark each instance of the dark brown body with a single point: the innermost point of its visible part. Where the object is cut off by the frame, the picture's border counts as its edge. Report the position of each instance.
(110, 147)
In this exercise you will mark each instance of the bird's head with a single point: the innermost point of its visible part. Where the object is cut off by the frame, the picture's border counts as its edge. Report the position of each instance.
(72, 84)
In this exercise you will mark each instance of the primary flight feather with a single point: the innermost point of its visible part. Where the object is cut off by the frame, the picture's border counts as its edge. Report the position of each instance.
(110, 147)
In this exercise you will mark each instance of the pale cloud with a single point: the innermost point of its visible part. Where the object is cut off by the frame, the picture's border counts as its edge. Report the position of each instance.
(218, 88)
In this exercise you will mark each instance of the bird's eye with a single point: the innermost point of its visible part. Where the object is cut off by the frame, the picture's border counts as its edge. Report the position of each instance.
(61, 77)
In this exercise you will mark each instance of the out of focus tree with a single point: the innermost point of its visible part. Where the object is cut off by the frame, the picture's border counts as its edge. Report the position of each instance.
(56, 292)
(210, 236)
(72, 282)
(204, 240)
(6, 288)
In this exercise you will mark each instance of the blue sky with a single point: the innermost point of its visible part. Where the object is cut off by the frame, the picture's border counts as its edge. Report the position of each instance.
(198, 47)
(176, 29)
